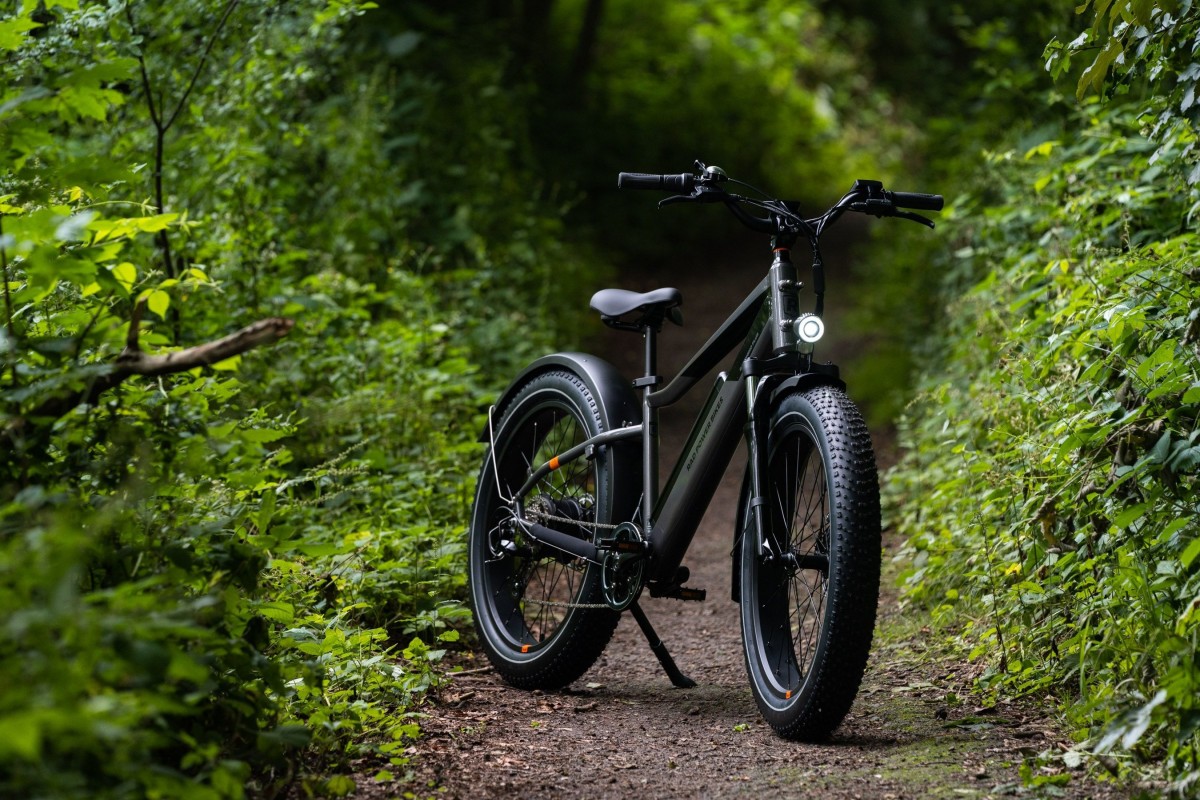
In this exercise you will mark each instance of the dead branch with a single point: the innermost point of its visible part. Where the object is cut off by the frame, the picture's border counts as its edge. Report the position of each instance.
(267, 331)
(132, 361)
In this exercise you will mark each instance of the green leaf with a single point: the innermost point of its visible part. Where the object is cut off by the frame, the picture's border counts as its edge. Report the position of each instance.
(340, 785)
(21, 735)
(1175, 526)
(86, 102)
(1093, 76)
(27, 96)
(277, 611)
(1190, 553)
(126, 227)
(1126, 517)
(265, 511)
(222, 430)
(158, 301)
(1158, 453)
(288, 736)
(126, 275)
(1140, 11)
(12, 32)
(227, 364)
(262, 435)
(185, 668)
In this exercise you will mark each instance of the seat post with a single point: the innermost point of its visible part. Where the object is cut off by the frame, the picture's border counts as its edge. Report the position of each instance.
(650, 420)
(650, 335)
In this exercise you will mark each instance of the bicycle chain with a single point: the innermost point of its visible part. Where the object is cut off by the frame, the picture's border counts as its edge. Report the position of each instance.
(560, 604)
(541, 516)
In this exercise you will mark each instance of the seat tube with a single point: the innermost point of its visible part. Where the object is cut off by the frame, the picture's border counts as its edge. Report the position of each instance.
(650, 434)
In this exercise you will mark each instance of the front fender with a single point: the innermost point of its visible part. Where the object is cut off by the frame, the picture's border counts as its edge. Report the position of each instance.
(795, 383)
(806, 381)
(618, 405)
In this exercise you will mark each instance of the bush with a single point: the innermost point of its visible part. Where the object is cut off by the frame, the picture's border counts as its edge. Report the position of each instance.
(1049, 489)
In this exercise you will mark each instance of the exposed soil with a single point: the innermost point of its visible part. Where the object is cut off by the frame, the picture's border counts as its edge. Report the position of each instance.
(624, 731)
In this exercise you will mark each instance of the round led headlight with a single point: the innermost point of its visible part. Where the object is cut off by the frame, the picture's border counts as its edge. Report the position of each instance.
(809, 328)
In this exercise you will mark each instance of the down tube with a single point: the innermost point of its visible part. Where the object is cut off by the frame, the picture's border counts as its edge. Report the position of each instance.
(701, 466)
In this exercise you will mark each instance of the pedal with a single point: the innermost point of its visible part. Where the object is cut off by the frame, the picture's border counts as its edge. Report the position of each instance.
(678, 592)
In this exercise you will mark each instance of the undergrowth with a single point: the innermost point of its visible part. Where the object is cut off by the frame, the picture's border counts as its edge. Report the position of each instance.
(1049, 491)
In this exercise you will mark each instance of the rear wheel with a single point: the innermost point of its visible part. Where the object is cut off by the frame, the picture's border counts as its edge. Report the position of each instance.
(539, 612)
(808, 610)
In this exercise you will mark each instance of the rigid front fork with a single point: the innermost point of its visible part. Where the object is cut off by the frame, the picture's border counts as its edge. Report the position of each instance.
(758, 392)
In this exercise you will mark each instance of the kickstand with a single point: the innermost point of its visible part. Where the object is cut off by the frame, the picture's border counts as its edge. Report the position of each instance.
(668, 664)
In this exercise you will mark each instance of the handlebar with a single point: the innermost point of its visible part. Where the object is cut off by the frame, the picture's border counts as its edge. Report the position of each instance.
(866, 196)
(641, 180)
(924, 202)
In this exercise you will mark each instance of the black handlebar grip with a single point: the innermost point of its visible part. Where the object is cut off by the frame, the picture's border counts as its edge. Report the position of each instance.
(667, 183)
(917, 200)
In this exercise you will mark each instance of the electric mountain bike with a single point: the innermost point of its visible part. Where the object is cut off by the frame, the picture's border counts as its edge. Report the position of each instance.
(569, 525)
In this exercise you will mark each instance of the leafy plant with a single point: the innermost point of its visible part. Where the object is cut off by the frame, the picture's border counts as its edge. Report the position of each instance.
(1049, 491)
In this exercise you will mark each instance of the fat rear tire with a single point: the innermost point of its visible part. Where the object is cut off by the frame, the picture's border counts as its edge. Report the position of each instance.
(535, 608)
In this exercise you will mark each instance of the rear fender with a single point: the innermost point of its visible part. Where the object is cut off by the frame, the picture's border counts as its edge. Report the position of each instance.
(619, 405)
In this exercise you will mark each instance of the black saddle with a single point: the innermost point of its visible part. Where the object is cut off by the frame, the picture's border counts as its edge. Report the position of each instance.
(652, 307)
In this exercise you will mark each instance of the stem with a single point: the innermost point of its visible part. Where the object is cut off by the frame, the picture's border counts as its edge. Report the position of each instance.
(8, 309)
(164, 241)
(163, 124)
(212, 40)
(160, 134)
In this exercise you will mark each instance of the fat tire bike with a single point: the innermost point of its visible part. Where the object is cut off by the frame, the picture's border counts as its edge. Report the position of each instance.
(569, 524)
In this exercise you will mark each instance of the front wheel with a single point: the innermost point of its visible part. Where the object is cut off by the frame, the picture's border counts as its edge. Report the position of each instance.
(808, 603)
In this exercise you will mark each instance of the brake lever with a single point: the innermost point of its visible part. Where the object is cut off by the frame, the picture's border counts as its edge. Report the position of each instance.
(677, 198)
(885, 208)
(703, 193)
(912, 217)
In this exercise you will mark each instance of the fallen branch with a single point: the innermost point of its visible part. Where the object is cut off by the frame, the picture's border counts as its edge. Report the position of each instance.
(135, 362)
(132, 361)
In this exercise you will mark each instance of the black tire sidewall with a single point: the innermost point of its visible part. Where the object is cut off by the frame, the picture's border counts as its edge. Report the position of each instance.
(831, 682)
(582, 634)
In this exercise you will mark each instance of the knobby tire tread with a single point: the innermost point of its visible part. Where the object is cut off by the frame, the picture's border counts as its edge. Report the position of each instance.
(853, 590)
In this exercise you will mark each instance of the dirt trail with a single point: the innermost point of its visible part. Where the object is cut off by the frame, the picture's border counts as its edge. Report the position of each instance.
(624, 731)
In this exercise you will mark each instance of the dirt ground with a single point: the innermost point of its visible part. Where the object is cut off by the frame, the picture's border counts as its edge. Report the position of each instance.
(624, 731)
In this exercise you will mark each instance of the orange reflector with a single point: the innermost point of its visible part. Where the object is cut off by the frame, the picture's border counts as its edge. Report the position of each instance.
(554, 463)
(787, 695)
(525, 649)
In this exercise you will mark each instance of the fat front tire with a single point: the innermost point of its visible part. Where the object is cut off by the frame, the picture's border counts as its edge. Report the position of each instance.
(808, 611)
(538, 610)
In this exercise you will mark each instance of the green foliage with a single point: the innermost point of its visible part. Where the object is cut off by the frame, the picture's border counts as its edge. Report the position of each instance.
(221, 581)
(754, 86)
(1049, 492)
(758, 88)
(958, 73)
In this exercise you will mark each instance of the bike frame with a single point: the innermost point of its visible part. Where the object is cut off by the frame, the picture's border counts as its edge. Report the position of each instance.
(769, 361)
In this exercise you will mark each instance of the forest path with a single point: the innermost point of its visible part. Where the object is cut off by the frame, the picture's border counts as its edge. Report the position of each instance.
(623, 731)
